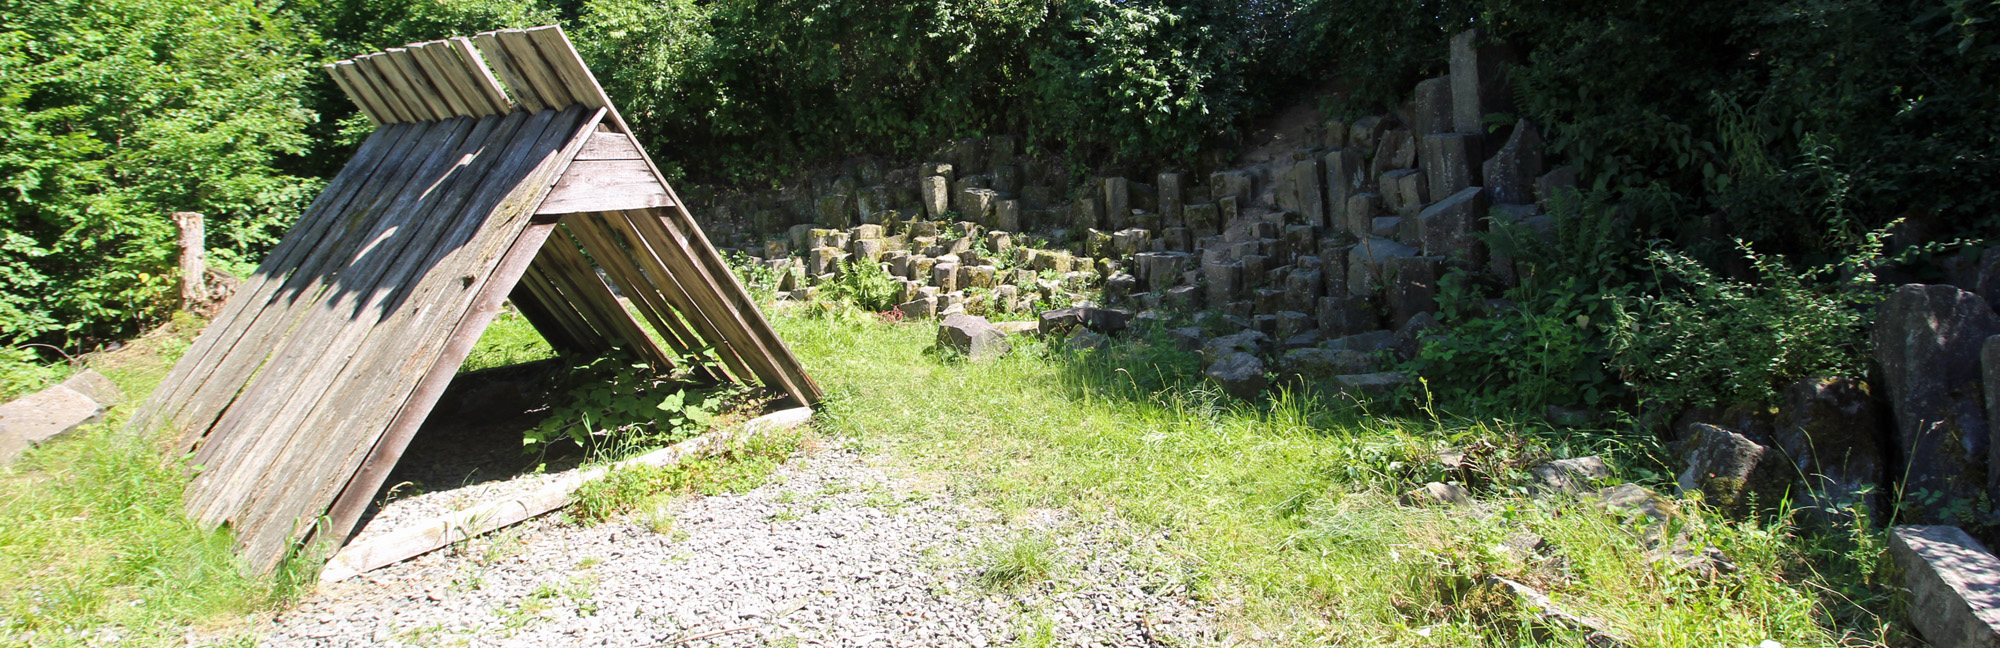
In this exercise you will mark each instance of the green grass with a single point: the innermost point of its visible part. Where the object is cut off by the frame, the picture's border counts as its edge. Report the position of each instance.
(510, 340)
(740, 468)
(96, 546)
(1290, 505)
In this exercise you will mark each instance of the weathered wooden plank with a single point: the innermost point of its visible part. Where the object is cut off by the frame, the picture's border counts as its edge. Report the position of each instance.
(405, 67)
(404, 105)
(623, 271)
(608, 145)
(389, 365)
(441, 79)
(366, 84)
(546, 296)
(376, 285)
(605, 185)
(517, 85)
(373, 113)
(399, 86)
(568, 66)
(579, 278)
(542, 320)
(534, 68)
(286, 271)
(353, 499)
(365, 285)
(673, 249)
(673, 286)
(482, 77)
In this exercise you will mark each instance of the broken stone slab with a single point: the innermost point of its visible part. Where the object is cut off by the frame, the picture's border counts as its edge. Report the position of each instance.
(1593, 629)
(1570, 476)
(1430, 108)
(1346, 175)
(1954, 585)
(1398, 150)
(1450, 229)
(1061, 321)
(1345, 316)
(43, 416)
(973, 336)
(1451, 163)
(1437, 494)
(1366, 261)
(1410, 287)
(1927, 341)
(94, 385)
(1727, 468)
(1366, 133)
(1250, 341)
(1362, 210)
(1478, 80)
(1239, 374)
(1509, 176)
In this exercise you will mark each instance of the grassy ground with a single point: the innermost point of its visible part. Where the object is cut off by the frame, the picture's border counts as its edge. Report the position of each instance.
(96, 549)
(1287, 512)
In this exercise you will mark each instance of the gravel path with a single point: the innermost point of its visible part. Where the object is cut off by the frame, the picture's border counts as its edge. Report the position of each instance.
(832, 552)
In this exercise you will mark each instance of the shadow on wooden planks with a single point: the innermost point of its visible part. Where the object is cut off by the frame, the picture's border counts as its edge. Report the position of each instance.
(498, 170)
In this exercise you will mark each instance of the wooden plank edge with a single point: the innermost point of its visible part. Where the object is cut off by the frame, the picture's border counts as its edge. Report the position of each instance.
(440, 532)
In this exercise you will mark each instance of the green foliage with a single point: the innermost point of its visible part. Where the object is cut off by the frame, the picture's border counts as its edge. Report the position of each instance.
(509, 340)
(741, 467)
(1546, 352)
(23, 371)
(1715, 341)
(112, 115)
(616, 403)
(866, 285)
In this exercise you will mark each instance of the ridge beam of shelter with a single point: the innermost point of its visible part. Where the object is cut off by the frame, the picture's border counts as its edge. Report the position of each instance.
(498, 170)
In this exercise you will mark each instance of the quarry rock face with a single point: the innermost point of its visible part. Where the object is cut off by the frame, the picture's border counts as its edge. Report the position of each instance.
(1927, 340)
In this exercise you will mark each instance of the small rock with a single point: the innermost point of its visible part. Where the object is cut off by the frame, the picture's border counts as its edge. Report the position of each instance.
(1570, 476)
(1239, 374)
(1436, 493)
(973, 336)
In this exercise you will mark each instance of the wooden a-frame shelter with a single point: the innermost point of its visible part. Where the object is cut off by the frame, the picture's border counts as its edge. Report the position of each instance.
(302, 394)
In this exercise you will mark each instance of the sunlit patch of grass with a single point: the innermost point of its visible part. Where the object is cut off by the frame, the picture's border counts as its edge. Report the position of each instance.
(510, 340)
(1290, 504)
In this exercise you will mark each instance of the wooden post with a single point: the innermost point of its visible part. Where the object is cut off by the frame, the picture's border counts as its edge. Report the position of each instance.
(194, 288)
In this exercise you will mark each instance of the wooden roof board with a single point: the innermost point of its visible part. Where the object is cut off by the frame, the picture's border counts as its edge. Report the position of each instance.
(302, 394)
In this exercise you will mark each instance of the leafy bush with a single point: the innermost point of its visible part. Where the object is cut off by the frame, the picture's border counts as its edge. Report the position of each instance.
(1715, 341)
(617, 404)
(114, 114)
(866, 285)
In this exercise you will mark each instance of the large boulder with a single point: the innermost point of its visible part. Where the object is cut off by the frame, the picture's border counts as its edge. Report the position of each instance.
(1927, 341)
(1954, 585)
(1831, 430)
(973, 336)
(46, 415)
(1239, 374)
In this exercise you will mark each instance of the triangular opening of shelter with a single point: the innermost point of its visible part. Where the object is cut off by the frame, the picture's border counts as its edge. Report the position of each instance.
(497, 169)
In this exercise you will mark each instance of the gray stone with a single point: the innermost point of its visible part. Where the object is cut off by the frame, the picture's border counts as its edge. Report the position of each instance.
(1437, 494)
(1239, 374)
(1478, 81)
(1449, 229)
(1365, 264)
(973, 336)
(1410, 287)
(1252, 342)
(1451, 163)
(979, 205)
(1557, 182)
(1344, 316)
(1346, 175)
(1319, 364)
(1397, 151)
(99, 388)
(44, 416)
(1007, 215)
(919, 308)
(1303, 289)
(1404, 189)
(1366, 133)
(936, 192)
(1308, 178)
(1509, 176)
(1117, 193)
(1728, 469)
(1293, 323)
(1927, 341)
(1225, 281)
(1570, 476)
(1430, 109)
(1832, 431)
(1061, 321)
(1172, 197)
(1185, 299)
(1372, 386)
(1362, 209)
(1230, 184)
(1954, 585)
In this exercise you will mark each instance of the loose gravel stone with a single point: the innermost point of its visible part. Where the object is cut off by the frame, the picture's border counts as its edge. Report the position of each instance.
(832, 552)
